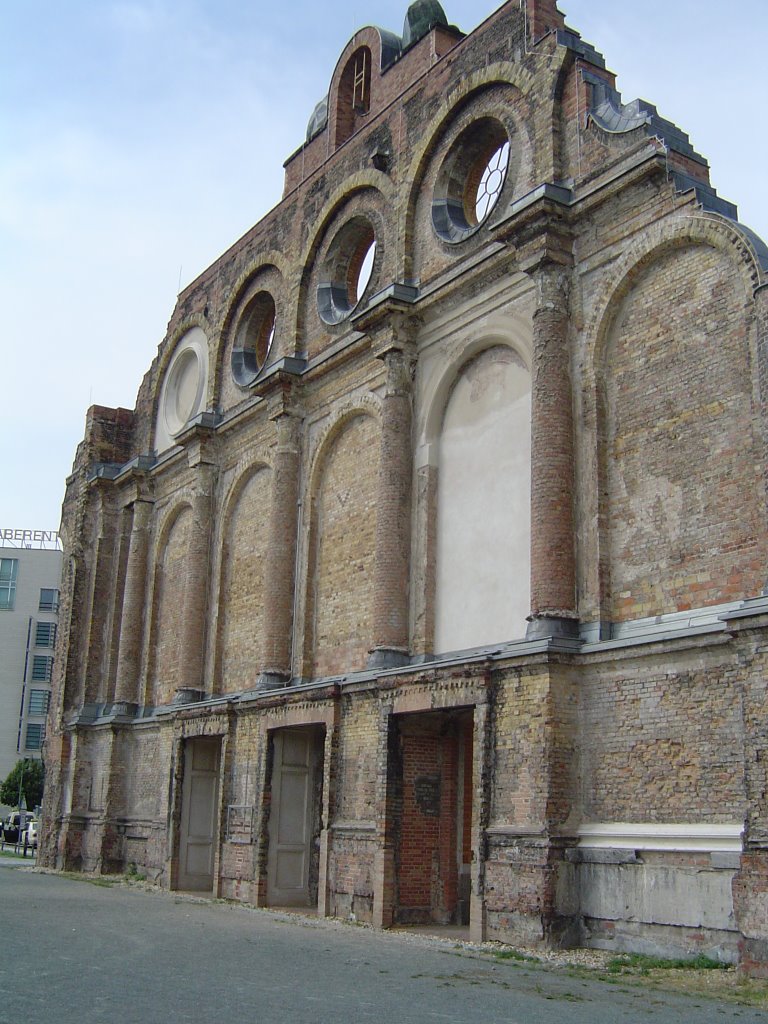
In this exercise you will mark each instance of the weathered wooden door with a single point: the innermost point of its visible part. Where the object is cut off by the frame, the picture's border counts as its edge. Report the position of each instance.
(199, 814)
(290, 822)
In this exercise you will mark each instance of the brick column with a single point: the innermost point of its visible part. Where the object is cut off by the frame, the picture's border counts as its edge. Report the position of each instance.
(196, 584)
(393, 514)
(553, 569)
(101, 596)
(132, 621)
(281, 557)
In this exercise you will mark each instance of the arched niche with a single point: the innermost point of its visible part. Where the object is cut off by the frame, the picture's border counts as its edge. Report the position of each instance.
(242, 598)
(681, 489)
(168, 606)
(342, 548)
(482, 528)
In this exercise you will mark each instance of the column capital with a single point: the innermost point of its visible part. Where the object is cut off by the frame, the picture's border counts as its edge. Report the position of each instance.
(391, 323)
(138, 492)
(284, 402)
(538, 227)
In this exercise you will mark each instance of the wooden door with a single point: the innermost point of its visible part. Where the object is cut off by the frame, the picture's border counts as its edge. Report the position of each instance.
(290, 822)
(199, 814)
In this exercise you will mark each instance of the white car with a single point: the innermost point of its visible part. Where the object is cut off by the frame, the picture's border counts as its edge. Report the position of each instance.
(31, 833)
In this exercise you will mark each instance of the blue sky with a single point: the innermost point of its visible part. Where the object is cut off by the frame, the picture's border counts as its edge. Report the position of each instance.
(140, 138)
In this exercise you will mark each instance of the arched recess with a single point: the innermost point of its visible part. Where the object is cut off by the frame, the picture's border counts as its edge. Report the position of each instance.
(480, 432)
(242, 597)
(168, 600)
(342, 547)
(681, 497)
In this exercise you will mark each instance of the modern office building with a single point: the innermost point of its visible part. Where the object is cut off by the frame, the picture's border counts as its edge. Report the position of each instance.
(30, 567)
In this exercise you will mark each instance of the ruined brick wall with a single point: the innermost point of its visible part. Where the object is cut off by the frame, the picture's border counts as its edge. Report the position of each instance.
(170, 584)
(242, 599)
(342, 563)
(277, 565)
(683, 487)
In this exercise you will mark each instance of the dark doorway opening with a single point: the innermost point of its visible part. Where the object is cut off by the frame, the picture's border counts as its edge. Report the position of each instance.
(433, 811)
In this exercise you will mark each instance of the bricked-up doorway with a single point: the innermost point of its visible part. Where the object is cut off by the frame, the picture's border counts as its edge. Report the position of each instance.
(434, 808)
(295, 818)
(199, 813)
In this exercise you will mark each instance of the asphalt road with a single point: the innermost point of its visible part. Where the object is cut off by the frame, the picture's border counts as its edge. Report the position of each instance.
(74, 952)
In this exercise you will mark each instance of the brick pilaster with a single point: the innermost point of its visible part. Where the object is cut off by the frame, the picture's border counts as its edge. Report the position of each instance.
(101, 596)
(393, 513)
(196, 582)
(281, 557)
(553, 570)
(132, 622)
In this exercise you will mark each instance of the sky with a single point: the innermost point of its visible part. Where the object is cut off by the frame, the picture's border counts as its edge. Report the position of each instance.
(140, 138)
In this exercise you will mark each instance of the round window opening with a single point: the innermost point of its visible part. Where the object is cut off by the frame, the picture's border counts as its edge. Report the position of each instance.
(253, 339)
(183, 391)
(347, 271)
(470, 180)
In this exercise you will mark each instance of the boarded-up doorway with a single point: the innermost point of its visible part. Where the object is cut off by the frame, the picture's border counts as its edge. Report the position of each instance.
(199, 814)
(434, 848)
(295, 817)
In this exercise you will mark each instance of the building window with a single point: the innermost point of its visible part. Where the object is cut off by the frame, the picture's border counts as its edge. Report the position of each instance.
(253, 341)
(39, 702)
(347, 271)
(41, 668)
(45, 634)
(35, 736)
(353, 100)
(49, 600)
(9, 568)
(470, 180)
(361, 81)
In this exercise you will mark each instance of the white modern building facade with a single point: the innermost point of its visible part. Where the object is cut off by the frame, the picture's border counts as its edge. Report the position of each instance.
(30, 568)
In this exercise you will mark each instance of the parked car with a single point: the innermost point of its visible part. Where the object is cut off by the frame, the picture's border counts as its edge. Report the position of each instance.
(32, 831)
(11, 825)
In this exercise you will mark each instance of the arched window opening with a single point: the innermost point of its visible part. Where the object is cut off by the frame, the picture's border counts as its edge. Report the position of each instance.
(353, 101)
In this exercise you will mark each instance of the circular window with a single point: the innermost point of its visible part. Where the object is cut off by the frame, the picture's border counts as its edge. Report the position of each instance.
(347, 271)
(253, 340)
(183, 390)
(470, 180)
(184, 386)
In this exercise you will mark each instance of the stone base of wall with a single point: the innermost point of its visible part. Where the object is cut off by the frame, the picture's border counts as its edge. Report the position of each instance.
(665, 941)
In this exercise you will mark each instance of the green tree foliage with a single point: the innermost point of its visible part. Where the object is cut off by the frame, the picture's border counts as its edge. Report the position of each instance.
(32, 774)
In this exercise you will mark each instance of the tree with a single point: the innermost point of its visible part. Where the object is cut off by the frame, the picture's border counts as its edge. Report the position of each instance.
(31, 772)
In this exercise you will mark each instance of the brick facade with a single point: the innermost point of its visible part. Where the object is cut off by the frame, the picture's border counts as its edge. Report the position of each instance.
(261, 553)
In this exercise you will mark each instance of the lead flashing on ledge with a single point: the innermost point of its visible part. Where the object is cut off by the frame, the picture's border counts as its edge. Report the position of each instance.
(706, 838)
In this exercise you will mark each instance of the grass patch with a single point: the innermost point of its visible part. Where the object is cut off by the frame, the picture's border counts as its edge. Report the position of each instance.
(513, 954)
(639, 963)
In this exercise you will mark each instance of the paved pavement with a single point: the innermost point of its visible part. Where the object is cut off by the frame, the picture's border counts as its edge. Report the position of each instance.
(75, 952)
